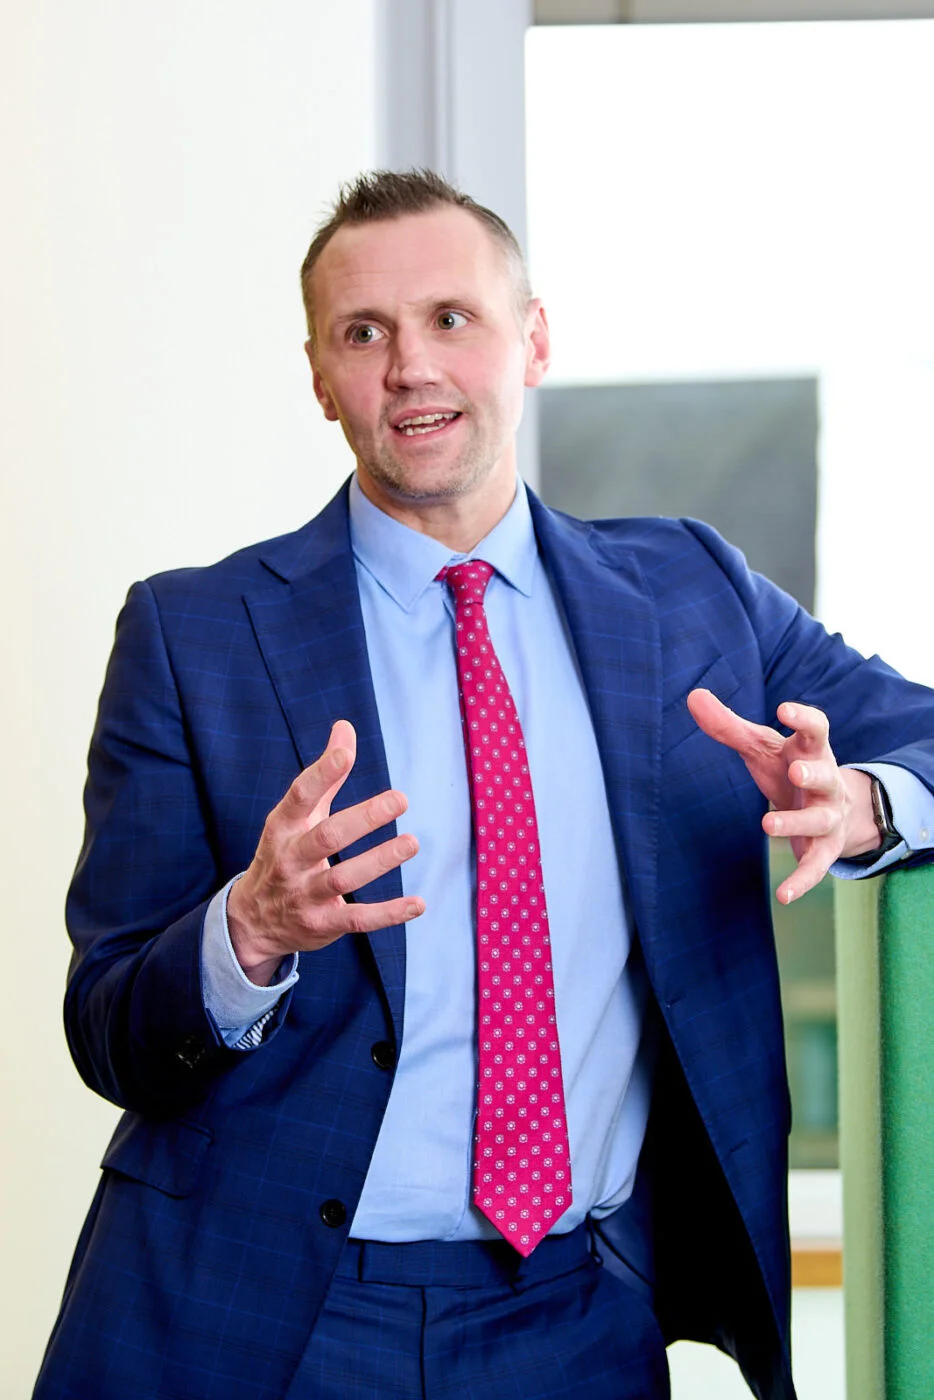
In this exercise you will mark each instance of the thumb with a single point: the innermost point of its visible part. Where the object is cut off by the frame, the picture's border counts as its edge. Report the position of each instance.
(729, 728)
(311, 794)
(713, 717)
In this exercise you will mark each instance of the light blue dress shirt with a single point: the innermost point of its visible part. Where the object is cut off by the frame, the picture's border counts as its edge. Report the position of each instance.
(418, 1184)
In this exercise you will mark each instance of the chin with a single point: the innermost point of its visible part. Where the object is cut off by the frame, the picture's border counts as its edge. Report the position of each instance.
(436, 482)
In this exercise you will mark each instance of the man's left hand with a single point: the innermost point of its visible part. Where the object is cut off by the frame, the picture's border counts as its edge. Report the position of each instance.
(825, 811)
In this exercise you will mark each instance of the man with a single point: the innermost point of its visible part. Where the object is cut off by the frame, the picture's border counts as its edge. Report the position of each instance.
(514, 1149)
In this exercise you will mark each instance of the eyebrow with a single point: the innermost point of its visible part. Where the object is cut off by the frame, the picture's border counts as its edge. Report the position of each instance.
(364, 314)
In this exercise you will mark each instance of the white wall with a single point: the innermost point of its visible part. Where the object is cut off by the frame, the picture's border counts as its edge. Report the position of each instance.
(163, 165)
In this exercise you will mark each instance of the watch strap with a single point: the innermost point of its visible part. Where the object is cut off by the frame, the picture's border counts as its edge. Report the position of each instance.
(889, 835)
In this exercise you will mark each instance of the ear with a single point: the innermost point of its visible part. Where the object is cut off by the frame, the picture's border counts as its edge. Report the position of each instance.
(321, 391)
(537, 344)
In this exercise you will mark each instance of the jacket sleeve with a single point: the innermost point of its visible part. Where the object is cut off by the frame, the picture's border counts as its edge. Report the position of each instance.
(135, 1017)
(876, 715)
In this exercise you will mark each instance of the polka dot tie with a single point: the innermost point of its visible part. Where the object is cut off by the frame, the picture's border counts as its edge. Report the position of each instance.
(521, 1163)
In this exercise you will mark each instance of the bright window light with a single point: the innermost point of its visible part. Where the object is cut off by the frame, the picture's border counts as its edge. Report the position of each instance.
(751, 201)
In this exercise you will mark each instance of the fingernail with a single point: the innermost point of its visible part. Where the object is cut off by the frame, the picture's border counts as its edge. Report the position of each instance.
(805, 773)
(790, 895)
(777, 826)
(339, 759)
(791, 711)
(412, 911)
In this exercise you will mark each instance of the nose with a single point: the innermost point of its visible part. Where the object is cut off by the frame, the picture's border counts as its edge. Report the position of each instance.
(412, 361)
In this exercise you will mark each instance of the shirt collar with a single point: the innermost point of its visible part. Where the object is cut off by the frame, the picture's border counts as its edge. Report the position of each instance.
(404, 562)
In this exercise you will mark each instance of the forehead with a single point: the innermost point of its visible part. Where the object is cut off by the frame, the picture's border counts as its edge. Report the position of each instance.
(407, 261)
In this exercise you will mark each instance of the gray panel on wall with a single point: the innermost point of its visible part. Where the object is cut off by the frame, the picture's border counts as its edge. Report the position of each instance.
(740, 455)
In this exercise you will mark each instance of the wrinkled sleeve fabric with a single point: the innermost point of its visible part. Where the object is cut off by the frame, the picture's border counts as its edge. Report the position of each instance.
(135, 1015)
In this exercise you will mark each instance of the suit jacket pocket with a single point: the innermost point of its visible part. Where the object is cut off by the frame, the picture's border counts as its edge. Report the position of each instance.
(167, 1155)
(677, 721)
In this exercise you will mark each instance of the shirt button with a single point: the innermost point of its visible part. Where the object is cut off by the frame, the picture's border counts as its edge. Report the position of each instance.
(924, 834)
(334, 1214)
(383, 1054)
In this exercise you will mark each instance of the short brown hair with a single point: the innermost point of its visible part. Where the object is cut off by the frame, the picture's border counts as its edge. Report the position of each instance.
(391, 194)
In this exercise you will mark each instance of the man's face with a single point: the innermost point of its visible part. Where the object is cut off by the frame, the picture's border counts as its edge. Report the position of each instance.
(421, 355)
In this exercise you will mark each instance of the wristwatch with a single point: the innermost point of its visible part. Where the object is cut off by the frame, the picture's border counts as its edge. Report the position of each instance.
(889, 837)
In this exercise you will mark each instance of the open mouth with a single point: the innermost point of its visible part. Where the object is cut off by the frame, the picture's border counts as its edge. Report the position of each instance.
(422, 424)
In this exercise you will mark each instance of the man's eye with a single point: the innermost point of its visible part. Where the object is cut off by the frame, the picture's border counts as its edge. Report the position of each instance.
(451, 320)
(365, 334)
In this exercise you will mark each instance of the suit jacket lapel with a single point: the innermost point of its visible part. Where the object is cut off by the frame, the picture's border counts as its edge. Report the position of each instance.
(614, 628)
(309, 628)
(312, 611)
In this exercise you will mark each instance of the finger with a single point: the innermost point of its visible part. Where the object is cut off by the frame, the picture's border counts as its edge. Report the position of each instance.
(348, 876)
(729, 728)
(810, 724)
(803, 821)
(323, 779)
(817, 776)
(340, 918)
(810, 872)
(333, 833)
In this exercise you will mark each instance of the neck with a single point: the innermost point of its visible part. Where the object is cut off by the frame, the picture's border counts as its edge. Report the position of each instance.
(459, 522)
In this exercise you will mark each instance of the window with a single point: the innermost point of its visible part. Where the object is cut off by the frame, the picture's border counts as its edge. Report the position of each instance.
(729, 226)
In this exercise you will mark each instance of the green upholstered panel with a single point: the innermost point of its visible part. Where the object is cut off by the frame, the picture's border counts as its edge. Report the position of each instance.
(860, 1135)
(906, 943)
(885, 972)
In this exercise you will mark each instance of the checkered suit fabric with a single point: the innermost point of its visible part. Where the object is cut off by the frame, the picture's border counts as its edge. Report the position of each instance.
(229, 1186)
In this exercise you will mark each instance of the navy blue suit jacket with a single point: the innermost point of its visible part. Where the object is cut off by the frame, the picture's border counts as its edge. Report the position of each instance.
(206, 1255)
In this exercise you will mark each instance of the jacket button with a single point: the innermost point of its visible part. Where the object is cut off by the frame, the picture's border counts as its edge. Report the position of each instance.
(191, 1051)
(334, 1214)
(384, 1054)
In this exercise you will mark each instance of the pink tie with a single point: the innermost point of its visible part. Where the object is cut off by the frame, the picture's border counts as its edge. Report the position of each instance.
(521, 1168)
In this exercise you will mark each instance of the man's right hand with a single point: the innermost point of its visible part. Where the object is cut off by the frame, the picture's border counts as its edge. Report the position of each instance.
(291, 899)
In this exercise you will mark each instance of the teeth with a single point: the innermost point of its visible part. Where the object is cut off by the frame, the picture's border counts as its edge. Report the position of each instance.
(424, 423)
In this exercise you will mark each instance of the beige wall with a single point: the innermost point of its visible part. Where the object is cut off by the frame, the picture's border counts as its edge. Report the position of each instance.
(162, 167)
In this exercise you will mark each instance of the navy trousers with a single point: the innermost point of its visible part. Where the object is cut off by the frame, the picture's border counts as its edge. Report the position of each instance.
(429, 1320)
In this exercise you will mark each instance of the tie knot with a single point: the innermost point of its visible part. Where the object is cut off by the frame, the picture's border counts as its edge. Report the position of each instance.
(468, 581)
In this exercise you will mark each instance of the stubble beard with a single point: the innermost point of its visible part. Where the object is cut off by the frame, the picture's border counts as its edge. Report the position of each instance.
(473, 465)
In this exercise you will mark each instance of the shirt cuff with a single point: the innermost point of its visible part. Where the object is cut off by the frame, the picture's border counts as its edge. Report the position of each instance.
(236, 1003)
(912, 807)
